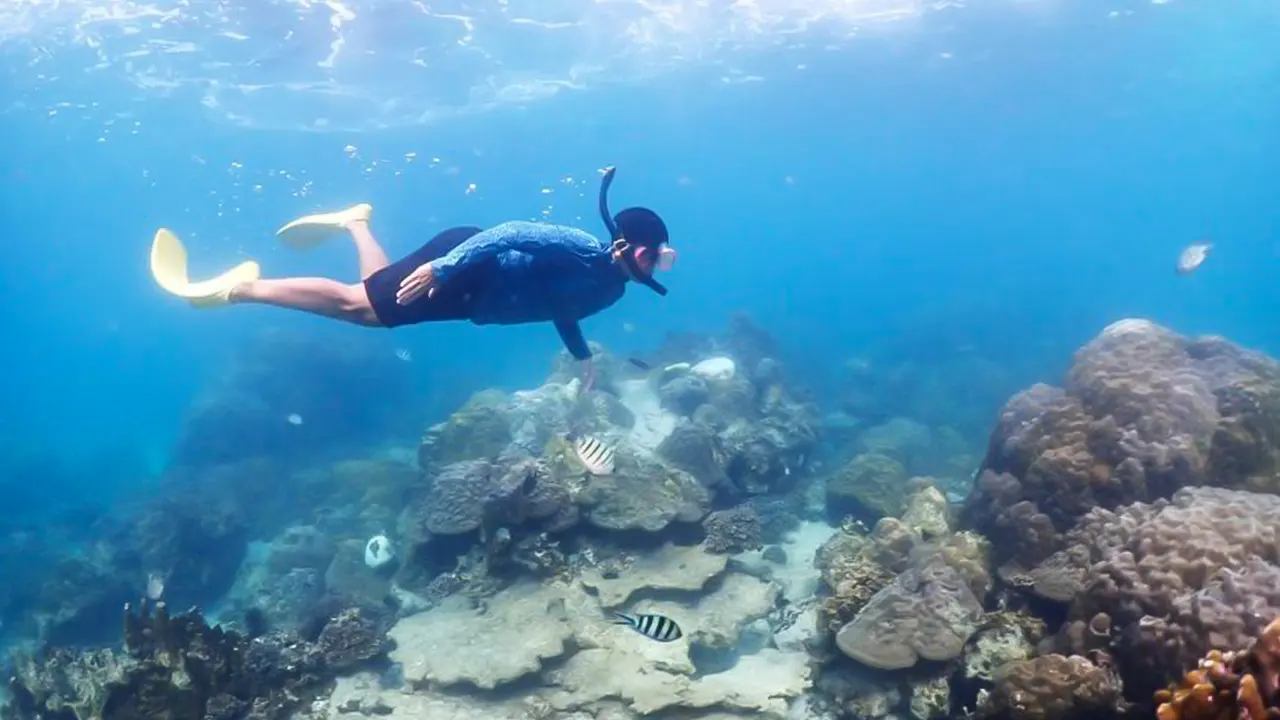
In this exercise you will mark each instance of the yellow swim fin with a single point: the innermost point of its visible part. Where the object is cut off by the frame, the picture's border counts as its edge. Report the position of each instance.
(169, 268)
(307, 232)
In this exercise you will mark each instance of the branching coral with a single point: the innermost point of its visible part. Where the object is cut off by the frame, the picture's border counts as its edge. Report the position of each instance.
(1242, 685)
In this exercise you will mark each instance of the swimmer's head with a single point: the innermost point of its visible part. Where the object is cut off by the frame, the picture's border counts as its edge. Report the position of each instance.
(639, 239)
(647, 238)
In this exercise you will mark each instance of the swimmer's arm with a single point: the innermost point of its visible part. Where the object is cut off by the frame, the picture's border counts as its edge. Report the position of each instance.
(537, 239)
(571, 334)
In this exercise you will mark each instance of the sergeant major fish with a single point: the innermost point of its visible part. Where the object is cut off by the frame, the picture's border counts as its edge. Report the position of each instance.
(595, 455)
(654, 627)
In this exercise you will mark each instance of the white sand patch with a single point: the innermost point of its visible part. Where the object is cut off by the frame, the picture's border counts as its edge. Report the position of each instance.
(798, 577)
(653, 423)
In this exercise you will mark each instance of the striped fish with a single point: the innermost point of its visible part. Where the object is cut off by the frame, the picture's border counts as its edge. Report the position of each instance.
(595, 455)
(654, 627)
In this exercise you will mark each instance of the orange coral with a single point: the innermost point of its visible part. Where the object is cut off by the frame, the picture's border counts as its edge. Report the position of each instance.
(1231, 686)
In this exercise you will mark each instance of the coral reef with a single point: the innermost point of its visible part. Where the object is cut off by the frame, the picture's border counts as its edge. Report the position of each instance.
(1004, 637)
(696, 448)
(870, 486)
(908, 442)
(1143, 412)
(732, 531)
(480, 652)
(177, 666)
(1159, 585)
(643, 495)
(673, 567)
(1053, 687)
(511, 557)
(504, 465)
(585, 663)
(1240, 685)
(926, 612)
(858, 566)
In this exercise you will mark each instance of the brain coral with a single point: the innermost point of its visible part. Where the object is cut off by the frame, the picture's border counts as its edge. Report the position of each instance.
(927, 612)
(1143, 412)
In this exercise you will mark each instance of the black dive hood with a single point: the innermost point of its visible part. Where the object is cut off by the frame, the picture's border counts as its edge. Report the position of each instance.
(620, 242)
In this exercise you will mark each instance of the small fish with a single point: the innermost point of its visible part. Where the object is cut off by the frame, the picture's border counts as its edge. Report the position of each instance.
(640, 363)
(155, 586)
(595, 455)
(294, 419)
(404, 355)
(1192, 256)
(530, 483)
(654, 627)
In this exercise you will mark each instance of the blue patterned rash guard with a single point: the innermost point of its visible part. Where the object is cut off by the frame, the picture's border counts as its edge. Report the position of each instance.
(540, 273)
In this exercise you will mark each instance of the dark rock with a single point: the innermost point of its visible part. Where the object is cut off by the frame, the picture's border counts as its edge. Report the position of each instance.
(683, 394)
(732, 531)
(350, 639)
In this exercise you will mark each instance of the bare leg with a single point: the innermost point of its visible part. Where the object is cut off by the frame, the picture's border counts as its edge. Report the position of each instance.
(320, 296)
(372, 257)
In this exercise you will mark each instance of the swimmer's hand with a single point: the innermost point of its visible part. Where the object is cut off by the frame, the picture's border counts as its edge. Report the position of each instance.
(420, 281)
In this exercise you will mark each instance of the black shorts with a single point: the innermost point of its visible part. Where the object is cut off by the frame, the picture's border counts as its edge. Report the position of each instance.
(452, 302)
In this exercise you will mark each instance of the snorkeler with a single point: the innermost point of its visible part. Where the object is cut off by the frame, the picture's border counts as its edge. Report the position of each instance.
(512, 273)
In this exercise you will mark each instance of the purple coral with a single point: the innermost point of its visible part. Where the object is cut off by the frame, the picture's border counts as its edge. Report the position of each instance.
(1170, 580)
(1143, 412)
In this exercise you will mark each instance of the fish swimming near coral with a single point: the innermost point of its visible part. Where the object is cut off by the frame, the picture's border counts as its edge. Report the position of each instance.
(654, 627)
(640, 363)
(1192, 256)
(155, 586)
(596, 456)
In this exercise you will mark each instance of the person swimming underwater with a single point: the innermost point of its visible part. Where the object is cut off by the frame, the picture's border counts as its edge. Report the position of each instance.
(512, 273)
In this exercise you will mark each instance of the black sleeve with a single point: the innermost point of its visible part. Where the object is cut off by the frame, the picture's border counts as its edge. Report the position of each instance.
(571, 334)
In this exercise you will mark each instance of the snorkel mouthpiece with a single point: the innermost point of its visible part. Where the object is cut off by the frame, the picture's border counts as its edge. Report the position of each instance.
(620, 241)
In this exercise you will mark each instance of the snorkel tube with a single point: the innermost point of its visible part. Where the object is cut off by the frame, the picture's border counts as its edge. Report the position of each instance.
(620, 244)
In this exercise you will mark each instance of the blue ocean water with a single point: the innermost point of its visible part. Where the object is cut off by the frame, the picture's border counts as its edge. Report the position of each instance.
(994, 177)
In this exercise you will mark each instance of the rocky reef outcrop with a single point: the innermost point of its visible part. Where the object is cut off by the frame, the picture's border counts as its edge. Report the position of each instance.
(504, 467)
